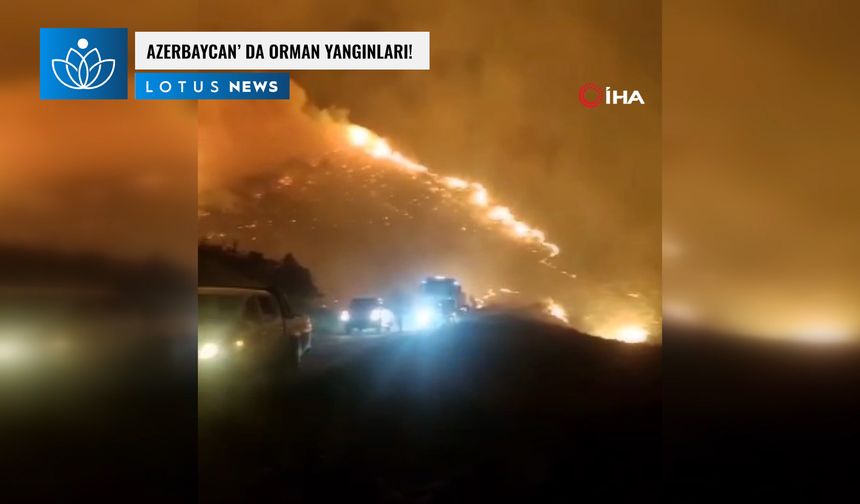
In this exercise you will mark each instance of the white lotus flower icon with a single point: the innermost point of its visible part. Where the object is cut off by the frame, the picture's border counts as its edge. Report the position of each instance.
(83, 71)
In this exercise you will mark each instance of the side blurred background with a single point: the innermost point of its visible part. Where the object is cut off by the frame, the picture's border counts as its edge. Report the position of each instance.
(97, 276)
(760, 249)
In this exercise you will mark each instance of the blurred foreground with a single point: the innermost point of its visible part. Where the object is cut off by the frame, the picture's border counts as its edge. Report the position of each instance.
(97, 377)
(495, 408)
(761, 418)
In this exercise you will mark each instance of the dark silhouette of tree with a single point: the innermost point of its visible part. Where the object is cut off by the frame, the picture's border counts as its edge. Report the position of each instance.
(295, 280)
(229, 267)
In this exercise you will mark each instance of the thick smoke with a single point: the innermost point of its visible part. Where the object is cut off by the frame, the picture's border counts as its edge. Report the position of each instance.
(240, 141)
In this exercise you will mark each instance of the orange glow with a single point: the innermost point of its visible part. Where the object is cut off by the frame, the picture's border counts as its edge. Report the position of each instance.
(377, 147)
(557, 311)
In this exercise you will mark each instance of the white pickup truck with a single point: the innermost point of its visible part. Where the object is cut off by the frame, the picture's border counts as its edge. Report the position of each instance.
(249, 327)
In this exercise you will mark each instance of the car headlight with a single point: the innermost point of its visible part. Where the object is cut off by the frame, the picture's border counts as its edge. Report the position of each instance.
(12, 351)
(375, 314)
(423, 317)
(344, 316)
(207, 351)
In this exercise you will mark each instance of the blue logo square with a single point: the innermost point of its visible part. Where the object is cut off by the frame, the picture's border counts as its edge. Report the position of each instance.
(83, 63)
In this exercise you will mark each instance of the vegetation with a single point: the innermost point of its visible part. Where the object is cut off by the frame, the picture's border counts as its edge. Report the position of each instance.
(220, 266)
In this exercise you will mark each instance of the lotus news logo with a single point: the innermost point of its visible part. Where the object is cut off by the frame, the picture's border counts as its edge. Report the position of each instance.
(591, 95)
(84, 71)
(83, 63)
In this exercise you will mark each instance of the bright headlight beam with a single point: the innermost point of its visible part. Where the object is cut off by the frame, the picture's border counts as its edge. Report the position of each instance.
(11, 351)
(423, 317)
(207, 351)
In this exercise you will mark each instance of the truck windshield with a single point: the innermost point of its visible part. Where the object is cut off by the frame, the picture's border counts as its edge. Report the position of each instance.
(441, 288)
(363, 304)
(213, 307)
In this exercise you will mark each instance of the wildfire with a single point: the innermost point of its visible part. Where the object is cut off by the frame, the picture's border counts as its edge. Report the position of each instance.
(487, 210)
(556, 310)
(500, 213)
(479, 195)
(456, 183)
(631, 334)
(359, 136)
(474, 193)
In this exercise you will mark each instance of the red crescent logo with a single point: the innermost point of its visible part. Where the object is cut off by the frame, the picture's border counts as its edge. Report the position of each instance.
(588, 87)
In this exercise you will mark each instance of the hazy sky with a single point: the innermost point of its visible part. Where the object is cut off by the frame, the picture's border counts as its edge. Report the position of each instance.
(760, 161)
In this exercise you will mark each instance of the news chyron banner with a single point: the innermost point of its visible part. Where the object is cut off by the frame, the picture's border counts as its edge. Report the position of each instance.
(91, 63)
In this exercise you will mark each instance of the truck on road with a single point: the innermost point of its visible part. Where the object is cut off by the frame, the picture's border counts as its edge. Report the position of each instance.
(441, 300)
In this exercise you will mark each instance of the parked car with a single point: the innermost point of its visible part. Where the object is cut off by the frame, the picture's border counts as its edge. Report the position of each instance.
(249, 327)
